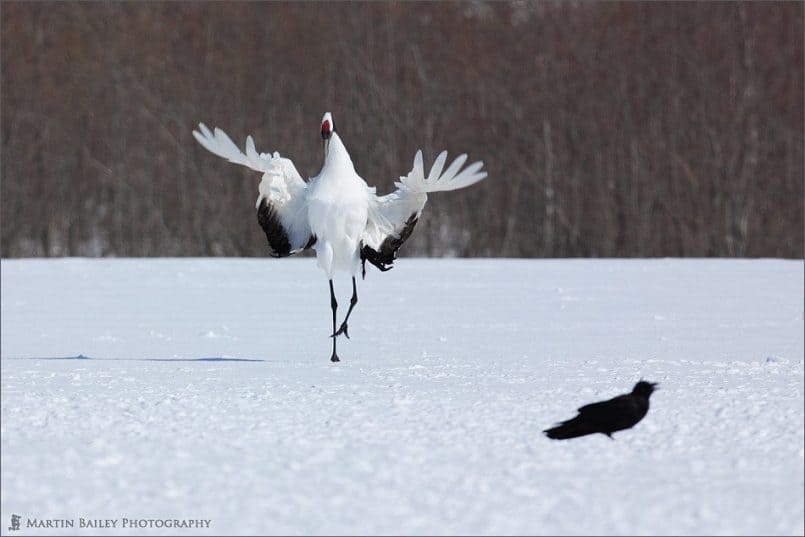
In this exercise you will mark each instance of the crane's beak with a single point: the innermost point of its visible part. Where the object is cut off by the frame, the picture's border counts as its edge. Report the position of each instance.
(326, 134)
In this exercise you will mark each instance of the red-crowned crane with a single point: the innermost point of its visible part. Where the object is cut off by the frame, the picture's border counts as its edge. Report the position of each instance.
(336, 213)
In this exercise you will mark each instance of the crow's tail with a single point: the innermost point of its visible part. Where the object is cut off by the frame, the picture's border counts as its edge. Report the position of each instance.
(570, 429)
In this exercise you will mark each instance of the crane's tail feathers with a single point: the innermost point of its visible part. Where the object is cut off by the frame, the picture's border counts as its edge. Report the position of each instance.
(569, 429)
(439, 181)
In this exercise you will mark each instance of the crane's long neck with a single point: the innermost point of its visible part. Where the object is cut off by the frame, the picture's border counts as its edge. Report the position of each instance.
(336, 156)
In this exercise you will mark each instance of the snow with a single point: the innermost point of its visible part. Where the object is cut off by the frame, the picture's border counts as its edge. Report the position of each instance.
(202, 388)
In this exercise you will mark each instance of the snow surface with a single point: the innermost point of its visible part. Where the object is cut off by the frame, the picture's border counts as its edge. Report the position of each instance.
(202, 388)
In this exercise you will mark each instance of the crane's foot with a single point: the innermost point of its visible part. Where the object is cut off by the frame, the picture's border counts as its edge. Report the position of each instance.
(342, 330)
(334, 358)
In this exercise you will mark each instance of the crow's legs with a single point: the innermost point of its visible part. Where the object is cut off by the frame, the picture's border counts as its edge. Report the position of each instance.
(352, 302)
(334, 306)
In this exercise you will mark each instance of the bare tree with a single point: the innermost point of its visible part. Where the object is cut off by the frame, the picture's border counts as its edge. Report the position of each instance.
(614, 129)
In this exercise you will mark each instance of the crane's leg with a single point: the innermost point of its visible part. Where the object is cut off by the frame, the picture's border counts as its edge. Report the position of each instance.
(352, 302)
(334, 306)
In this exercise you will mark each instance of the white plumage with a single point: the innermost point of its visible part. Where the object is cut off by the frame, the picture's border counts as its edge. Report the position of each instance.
(336, 212)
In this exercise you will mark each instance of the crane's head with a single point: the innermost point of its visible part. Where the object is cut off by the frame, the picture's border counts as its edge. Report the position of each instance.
(644, 388)
(327, 130)
(335, 154)
(327, 126)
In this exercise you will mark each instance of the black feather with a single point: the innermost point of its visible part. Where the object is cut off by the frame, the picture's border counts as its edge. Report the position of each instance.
(277, 236)
(606, 417)
(383, 258)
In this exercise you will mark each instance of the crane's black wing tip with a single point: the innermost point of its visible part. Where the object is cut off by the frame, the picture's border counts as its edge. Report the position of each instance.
(383, 258)
(277, 235)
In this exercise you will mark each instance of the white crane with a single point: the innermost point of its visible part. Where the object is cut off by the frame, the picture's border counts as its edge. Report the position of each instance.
(336, 213)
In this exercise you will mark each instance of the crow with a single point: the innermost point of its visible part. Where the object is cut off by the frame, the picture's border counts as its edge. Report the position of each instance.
(606, 417)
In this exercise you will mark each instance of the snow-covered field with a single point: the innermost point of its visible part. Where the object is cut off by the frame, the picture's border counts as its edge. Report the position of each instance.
(201, 388)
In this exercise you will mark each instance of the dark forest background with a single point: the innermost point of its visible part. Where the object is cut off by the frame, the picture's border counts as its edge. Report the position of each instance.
(608, 129)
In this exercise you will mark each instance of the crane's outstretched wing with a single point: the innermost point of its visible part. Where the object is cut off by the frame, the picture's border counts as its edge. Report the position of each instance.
(392, 217)
(281, 210)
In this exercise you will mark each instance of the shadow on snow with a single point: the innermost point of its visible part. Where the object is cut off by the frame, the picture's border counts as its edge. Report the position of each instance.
(82, 357)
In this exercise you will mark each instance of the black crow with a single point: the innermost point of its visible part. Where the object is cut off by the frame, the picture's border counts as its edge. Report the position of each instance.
(606, 417)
